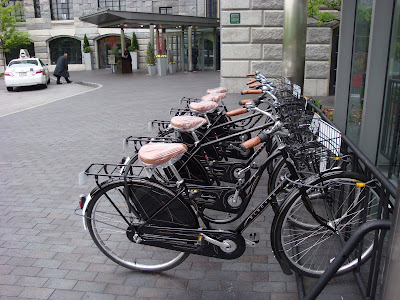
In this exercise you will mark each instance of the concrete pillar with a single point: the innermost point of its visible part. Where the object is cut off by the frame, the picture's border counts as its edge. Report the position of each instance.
(122, 41)
(294, 40)
(151, 28)
(190, 63)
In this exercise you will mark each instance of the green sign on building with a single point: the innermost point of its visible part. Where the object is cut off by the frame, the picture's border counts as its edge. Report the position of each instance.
(235, 18)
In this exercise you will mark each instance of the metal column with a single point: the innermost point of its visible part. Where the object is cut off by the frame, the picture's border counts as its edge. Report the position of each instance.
(390, 286)
(294, 40)
(190, 63)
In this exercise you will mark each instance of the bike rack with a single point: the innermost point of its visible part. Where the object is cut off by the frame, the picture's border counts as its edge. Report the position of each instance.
(369, 289)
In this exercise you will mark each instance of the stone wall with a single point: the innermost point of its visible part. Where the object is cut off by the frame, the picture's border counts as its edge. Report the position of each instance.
(256, 45)
(43, 29)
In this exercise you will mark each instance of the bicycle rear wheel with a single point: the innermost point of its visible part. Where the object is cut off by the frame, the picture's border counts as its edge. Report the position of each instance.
(307, 246)
(110, 222)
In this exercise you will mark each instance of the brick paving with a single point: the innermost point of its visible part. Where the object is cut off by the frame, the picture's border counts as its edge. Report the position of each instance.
(45, 252)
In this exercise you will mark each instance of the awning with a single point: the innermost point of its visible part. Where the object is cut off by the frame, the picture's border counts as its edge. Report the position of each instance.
(126, 19)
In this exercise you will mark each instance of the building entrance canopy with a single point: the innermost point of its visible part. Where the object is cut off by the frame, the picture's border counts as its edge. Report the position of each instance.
(201, 48)
(126, 19)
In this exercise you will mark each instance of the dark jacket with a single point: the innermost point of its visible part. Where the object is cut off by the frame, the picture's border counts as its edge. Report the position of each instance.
(61, 67)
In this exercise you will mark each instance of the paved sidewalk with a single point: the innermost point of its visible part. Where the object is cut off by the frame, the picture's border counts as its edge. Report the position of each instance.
(45, 252)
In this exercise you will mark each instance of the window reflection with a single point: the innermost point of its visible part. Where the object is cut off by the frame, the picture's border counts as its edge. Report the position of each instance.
(389, 149)
(359, 70)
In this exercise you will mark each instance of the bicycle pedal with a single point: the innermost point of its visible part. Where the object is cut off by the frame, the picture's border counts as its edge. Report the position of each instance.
(254, 237)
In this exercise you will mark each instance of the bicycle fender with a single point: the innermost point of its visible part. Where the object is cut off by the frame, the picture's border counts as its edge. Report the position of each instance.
(87, 200)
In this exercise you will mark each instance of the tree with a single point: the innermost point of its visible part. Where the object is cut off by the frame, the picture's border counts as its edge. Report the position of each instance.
(10, 37)
(134, 46)
(86, 47)
(150, 56)
(314, 10)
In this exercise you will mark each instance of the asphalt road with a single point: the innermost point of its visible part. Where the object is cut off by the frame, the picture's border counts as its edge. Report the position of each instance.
(24, 98)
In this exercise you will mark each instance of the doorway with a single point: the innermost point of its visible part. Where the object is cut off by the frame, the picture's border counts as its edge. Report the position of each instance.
(105, 47)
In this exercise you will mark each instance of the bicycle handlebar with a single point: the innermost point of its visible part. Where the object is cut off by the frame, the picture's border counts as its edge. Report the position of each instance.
(243, 102)
(251, 81)
(236, 112)
(250, 143)
(252, 92)
(254, 85)
(262, 136)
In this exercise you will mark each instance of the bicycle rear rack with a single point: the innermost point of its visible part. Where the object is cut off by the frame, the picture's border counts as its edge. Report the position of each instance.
(138, 142)
(110, 171)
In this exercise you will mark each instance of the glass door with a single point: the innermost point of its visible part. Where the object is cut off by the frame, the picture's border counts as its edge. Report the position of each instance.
(208, 53)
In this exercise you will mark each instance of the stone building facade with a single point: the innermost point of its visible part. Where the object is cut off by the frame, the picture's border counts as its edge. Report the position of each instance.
(43, 27)
(255, 44)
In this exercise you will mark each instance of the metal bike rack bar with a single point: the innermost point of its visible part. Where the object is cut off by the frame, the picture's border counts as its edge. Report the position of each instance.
(388, 190)
(344, 254)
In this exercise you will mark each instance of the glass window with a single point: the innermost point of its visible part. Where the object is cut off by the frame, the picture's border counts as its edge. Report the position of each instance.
(23, 62)
(65, 44)
(165, 10)
(61, 10)
(389, 146)
(36, 4)
(112, 4)
(19, 14)
(358, 70)
(212, 8)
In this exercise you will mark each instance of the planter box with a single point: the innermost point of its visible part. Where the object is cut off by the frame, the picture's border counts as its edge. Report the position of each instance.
(134, 56)
(152, 70)
(87, 58)
(172, 68)
(162, 66)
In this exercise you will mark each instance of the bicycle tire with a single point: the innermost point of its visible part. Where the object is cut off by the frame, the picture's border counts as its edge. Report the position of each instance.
(109, 230)
(308, 247)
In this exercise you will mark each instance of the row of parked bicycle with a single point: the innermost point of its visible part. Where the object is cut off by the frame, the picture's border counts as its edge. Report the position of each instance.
(180, 189)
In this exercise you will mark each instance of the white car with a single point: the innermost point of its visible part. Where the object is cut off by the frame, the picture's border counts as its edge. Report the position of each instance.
(26, 72)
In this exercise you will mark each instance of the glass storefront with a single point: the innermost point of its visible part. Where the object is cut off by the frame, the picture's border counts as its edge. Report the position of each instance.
(388, 159)
(359, 69)
(205, 48)
(105, 46)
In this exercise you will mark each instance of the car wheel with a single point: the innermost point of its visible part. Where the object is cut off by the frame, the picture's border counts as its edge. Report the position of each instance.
(44, 86)
(9, 88)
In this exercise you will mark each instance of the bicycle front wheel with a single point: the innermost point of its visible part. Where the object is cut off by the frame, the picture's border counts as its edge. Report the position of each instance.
(110, 222)
(343, 202)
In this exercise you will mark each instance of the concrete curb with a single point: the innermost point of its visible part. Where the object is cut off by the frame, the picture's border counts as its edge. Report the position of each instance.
(91, 84)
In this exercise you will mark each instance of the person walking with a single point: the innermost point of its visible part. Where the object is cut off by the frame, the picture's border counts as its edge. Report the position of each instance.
(62, 68)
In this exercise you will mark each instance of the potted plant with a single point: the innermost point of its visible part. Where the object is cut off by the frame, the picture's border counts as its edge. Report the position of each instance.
(151, 60)
(171, 64)
(87, 54)
(133, 49)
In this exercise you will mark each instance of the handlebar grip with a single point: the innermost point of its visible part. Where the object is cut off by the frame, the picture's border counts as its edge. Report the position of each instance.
(254, 85)
(243, 102)
(251, 81)
(251, 92)
(250, 143)
(251, 75)
(236, 112)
